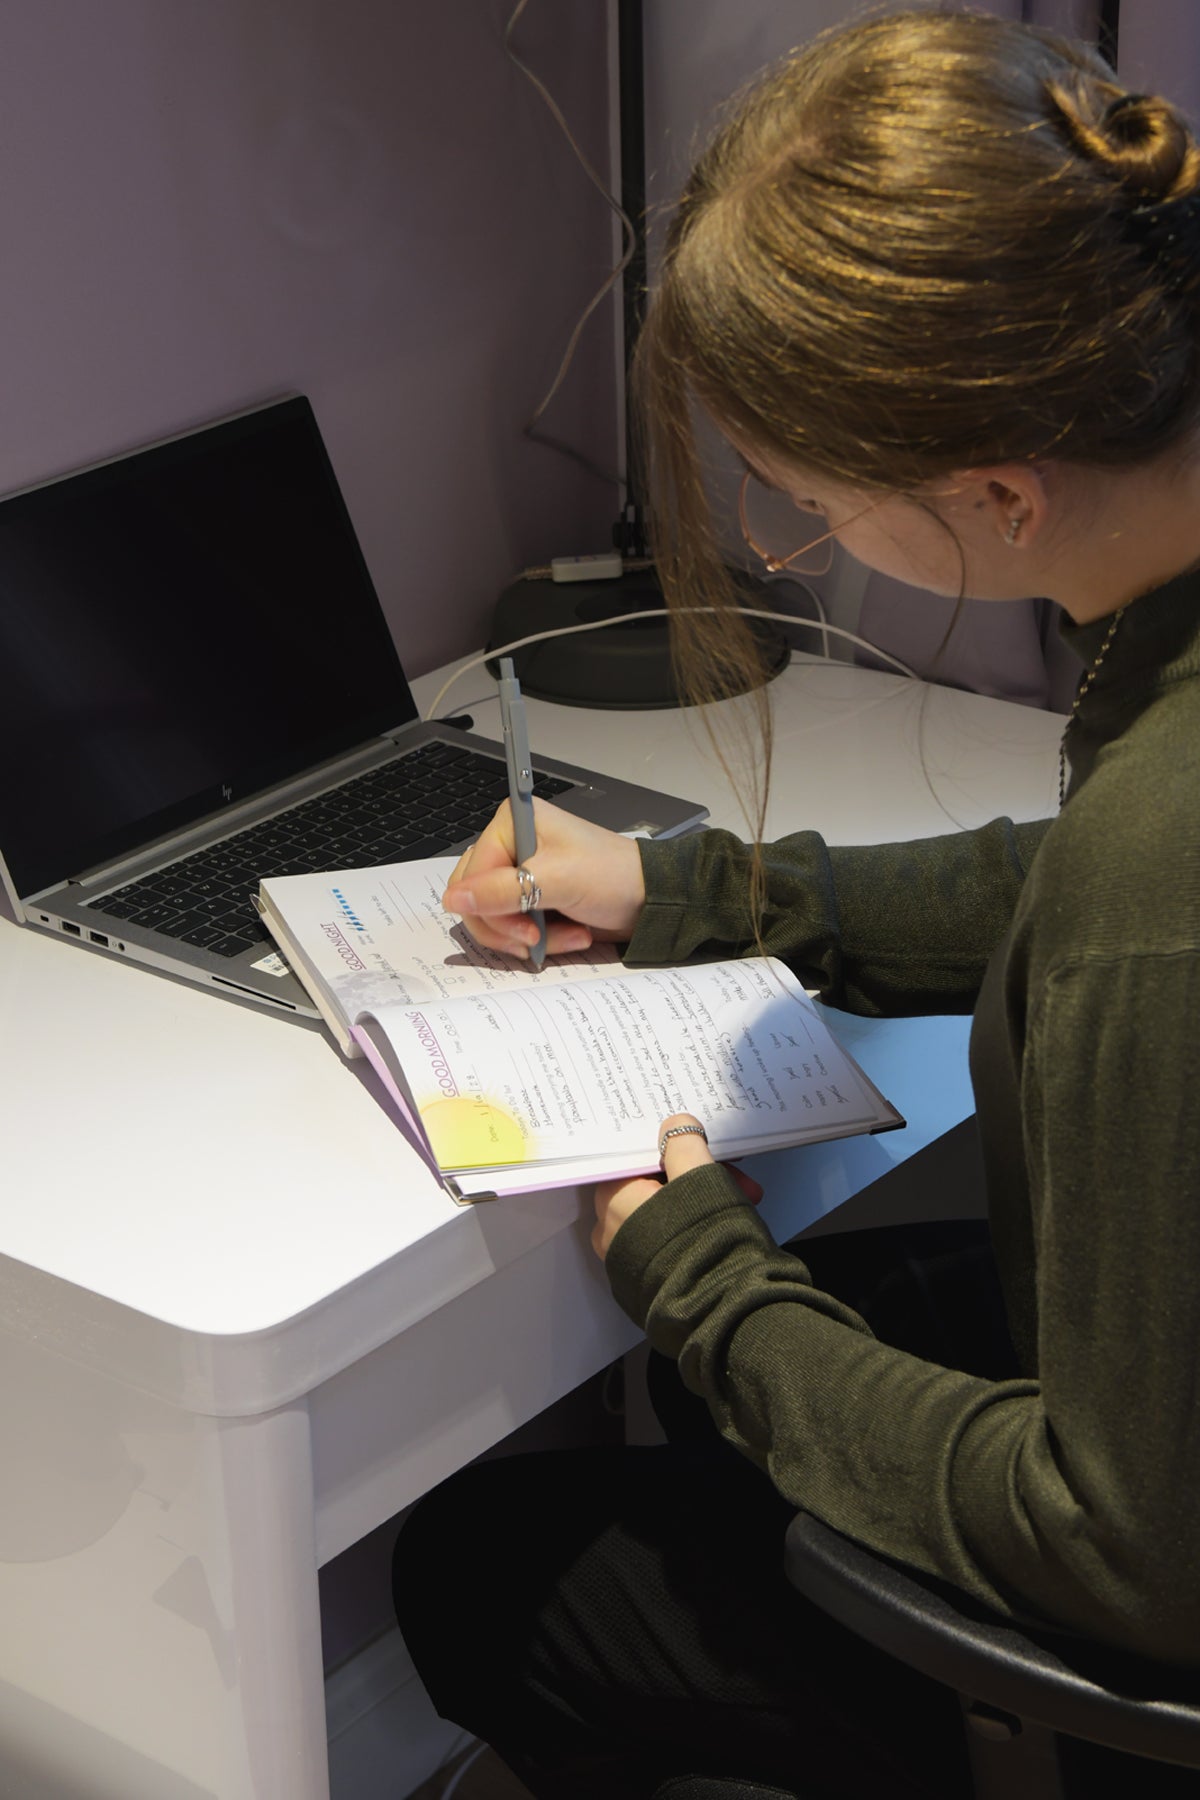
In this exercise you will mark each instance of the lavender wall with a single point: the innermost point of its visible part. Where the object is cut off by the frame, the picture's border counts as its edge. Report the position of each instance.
(207, 203)
(1160, 49)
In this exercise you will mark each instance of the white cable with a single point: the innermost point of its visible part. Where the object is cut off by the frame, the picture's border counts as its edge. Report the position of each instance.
(784, 577)
(451, 1786)
(627, 226)
(661, 612)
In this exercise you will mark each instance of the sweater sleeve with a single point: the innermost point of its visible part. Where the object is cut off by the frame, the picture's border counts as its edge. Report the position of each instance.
(1070, 1498)
(885, 929)
(865, 1436)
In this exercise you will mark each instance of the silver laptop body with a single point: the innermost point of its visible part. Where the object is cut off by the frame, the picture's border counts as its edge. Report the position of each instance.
(191, 648)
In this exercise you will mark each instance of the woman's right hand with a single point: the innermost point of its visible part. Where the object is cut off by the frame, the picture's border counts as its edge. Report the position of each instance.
(591, 882)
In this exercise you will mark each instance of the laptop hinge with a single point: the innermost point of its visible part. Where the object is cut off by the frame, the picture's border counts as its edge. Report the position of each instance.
(8, 888)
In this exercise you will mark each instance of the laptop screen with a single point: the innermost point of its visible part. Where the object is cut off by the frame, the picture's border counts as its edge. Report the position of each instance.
(178, 629)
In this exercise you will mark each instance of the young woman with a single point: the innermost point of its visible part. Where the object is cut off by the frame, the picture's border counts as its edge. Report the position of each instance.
(937, 280)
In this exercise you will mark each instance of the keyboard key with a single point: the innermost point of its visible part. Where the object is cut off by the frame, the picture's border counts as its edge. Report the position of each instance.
(234, 922)
(202, 935)
(120, 905)
(184, 922)
(227, 946)
(437, 756)
(214, 908)
(476, 821)
(360, 836)
(156, 917)
(317, 812)
(429, 846)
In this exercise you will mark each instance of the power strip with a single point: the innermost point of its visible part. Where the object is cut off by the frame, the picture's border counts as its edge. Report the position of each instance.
(609, 565)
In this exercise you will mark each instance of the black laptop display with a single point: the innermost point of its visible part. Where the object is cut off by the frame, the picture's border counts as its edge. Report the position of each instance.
(195, 670)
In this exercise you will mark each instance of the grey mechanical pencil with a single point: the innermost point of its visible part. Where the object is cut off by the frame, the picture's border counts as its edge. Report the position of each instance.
(520, 787)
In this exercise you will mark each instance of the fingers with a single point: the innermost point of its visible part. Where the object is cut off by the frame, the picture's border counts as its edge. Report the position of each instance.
(488, 888)
(512, 933)
(686, 1147)
(590, 879)
(492, 849)
(485, 892)
(751, 1190)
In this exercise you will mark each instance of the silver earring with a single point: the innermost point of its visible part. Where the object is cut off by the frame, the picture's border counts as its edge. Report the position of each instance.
(1010, 536)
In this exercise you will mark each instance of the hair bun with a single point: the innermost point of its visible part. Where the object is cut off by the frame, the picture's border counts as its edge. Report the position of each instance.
(1139, 140)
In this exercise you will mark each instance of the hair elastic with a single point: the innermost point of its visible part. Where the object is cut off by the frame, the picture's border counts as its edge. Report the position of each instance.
(1167, 234)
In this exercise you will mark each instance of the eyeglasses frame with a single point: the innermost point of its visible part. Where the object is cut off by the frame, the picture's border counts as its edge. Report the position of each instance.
(780, 565)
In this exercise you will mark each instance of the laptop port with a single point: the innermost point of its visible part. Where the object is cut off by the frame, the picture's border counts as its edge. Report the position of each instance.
(98, 937)
(73, 929)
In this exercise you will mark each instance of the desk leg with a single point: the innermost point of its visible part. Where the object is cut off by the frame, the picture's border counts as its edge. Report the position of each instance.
(158, 1591)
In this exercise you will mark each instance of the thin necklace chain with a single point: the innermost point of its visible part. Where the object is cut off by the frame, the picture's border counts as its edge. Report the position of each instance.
(1085, 683)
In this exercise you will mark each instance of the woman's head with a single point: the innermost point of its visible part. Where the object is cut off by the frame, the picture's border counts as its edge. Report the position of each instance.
(923, 244)
(926, 244)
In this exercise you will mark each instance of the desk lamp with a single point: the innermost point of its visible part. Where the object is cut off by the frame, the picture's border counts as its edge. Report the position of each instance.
(626, 665)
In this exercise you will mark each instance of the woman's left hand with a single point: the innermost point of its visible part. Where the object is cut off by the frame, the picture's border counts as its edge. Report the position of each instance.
(616, 1200)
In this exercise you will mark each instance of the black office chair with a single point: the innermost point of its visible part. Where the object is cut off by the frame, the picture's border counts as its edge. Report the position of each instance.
(1035, 1704)
(1038, 1708)
(705, 1787)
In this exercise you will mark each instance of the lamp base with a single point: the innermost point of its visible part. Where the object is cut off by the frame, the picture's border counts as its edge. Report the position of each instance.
(626, 666)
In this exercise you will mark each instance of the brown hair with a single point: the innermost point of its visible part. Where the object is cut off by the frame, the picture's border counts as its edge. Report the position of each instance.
(914, 248)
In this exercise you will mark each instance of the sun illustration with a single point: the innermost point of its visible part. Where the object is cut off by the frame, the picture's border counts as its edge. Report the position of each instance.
(465, 1133)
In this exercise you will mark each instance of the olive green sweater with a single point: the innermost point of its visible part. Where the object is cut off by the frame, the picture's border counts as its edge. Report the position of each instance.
(1073, 1494)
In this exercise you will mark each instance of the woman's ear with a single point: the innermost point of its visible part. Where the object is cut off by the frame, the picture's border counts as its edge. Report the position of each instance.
(1010, 500)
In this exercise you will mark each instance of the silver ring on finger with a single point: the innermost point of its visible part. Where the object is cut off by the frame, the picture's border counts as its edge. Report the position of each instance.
(531, 893)
(679, 1131)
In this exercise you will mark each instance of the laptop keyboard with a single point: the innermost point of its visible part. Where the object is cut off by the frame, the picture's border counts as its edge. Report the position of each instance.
(419, 805)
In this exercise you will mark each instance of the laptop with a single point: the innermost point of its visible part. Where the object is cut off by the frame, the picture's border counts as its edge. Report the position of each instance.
(199, 688)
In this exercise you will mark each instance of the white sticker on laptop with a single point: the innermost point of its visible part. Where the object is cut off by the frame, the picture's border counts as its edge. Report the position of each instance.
(271, 965)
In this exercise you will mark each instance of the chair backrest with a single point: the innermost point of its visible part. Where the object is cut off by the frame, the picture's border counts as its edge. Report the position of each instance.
(1046, 1678)
(708, 1787)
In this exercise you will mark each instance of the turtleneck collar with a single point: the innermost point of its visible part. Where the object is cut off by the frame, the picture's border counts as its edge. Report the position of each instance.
(1158, 640)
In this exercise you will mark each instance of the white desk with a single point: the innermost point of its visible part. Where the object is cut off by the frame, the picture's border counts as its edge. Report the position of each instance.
(239, 1328)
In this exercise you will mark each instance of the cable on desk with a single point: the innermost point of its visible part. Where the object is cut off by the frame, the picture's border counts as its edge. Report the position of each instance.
(661, 612)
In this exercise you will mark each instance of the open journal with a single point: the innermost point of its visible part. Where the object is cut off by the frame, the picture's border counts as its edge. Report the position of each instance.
(510, 1080)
